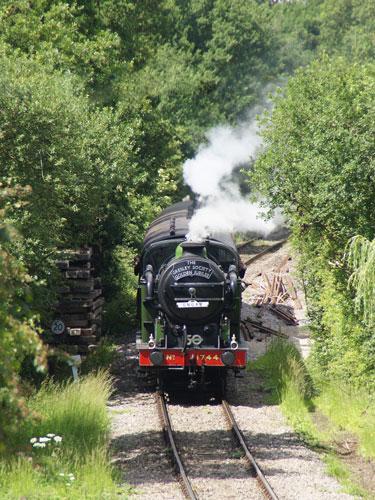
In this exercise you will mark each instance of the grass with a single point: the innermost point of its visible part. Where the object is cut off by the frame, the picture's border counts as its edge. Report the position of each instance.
(351, 409)
(339, 470)
(346, 409)
(289, 385)
(78, 465)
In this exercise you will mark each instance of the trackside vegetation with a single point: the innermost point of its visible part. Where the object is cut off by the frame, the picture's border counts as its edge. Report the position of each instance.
(100, 105)
(318, 165)
(326, 420)
(61, 449)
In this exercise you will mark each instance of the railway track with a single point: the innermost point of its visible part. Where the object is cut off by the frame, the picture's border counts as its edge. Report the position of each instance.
(254, 473)
(262, 491)
(250, 259)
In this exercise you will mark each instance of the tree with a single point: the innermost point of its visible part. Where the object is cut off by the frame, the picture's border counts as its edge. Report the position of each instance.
(318, 165)
(55, 33)
(18, 333)
(238, 55)
(347, 28)
(360, 256)
(208, 70)
(318, 161)
(91, 170)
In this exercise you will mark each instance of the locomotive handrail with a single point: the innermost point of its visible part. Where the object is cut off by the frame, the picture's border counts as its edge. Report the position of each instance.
(206, 284)
(233, 279)
(199, 299)
(149, 276)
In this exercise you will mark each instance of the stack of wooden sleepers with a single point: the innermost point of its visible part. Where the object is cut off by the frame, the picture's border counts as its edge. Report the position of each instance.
(78, 313)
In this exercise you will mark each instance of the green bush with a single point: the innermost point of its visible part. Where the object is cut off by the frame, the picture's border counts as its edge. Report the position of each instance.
(91, 171)
(18, 332)
(289, 384)
(119, 313)
(317, 165)
(281, 364)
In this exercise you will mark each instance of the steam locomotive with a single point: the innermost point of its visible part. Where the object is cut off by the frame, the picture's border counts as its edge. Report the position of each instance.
(189, 300)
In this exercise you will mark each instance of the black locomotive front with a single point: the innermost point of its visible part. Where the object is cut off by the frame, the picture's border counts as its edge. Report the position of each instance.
(189, 300)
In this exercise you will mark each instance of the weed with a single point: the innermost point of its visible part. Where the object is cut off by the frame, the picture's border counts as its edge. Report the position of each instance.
(62, 451)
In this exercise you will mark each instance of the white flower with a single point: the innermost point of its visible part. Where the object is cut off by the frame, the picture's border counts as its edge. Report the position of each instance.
(57, 439)
(33, 440)
(44, 440)
(51, 435)
(71, 477)
(61, 474)
(39, 445)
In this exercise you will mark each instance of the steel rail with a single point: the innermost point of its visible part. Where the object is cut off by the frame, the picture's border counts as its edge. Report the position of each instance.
(168, 435)
(270, 494)
(267, 250)
(244, 244)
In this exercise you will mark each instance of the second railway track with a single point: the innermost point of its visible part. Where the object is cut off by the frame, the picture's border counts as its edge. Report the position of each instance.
(209, 458)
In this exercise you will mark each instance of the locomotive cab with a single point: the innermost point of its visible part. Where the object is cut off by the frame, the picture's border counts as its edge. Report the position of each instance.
(189, 299)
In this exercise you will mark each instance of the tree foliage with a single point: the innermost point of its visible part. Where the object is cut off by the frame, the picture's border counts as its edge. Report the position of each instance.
(101, 102)
(209, 68)
(318, 162)
(360, 256)
(18, 331)
(347, 28)
(318, 165)
(54, 33)
(90, 169)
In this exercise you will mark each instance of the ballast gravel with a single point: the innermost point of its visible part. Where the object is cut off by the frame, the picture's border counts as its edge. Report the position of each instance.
(137, 445)
(210, 454)
(138, 448)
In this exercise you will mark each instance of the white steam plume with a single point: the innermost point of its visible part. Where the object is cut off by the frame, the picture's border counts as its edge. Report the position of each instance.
(223, 208)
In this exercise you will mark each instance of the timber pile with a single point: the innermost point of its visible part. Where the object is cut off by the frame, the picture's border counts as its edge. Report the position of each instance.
(78, 313)
(247, 329)
(273, 291)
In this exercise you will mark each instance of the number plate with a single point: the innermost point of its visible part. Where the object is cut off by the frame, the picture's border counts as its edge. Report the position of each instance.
(74, 332)
(192, 304)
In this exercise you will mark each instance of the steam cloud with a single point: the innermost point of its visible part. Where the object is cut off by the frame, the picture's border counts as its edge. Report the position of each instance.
(209, 174)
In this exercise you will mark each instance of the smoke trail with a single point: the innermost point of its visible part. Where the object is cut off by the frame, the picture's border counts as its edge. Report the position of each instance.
(209, 174)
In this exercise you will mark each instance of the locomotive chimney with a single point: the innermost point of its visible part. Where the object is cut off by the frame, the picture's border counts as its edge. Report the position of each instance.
(197, 248)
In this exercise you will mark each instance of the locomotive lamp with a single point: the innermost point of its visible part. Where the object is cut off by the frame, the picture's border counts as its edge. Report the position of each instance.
(233, 343)
(228, 358)
(156, 358)
(151, 342)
